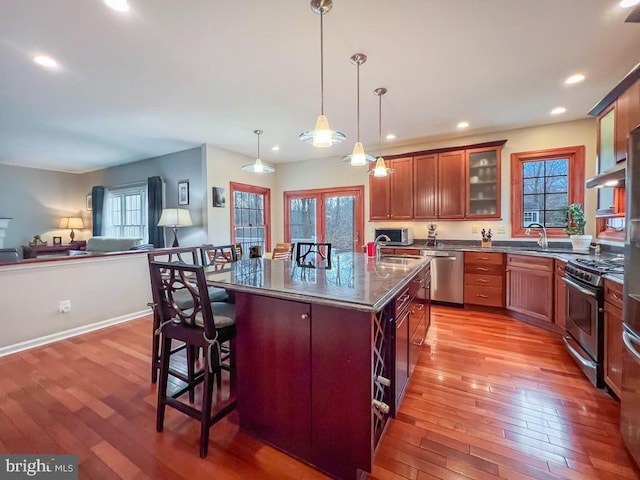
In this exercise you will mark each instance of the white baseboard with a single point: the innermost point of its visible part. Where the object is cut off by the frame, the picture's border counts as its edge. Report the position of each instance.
(73, 332)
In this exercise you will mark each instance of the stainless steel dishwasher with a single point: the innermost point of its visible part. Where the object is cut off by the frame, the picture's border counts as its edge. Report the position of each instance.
(447, 276)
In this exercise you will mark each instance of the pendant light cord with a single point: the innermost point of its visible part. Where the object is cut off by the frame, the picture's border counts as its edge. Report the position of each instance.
(321, 65)
(380, 123)
(358, 103)
(258, 145)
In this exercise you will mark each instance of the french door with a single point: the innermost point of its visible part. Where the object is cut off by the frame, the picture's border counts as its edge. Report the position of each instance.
(334, 215)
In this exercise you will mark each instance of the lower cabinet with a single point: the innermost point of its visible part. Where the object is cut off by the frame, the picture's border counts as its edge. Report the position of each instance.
(484, 279)
(613, 345)
(530, 286)
(402, 357)
(560, 302)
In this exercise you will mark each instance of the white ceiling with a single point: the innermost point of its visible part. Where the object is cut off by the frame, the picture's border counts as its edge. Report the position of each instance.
(170, 75)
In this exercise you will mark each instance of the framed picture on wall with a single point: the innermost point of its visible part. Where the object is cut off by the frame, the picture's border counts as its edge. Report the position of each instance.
(57, 240)
(89, 202)
(183, 192)
(219, 200)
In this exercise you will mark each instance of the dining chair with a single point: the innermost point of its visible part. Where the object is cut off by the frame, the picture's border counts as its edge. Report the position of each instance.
(312, 252)
(282, 251)
(187, 256)
(204, 325)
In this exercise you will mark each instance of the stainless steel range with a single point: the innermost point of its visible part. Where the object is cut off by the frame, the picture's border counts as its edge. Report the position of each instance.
(585, 313)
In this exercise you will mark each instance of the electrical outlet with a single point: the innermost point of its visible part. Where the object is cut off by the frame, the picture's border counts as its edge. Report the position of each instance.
(501, 229)
(64, 306)
(474, 229)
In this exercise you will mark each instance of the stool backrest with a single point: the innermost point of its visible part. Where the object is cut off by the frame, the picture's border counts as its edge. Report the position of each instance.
(310, 252)
(282, 251)
(187, 255)
(218, 255)
(169, 278)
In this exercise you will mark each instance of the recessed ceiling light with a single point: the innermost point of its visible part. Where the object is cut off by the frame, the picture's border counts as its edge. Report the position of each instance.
(575, 78)
(45, 61)
(390, 136)
(558, 110)
(463, 124)
(628, 3)
(275, 148)
(118, 5)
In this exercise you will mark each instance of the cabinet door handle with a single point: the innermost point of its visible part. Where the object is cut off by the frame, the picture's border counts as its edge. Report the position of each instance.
(615, 296)
(481, 295)
(418, 342)
(419, 307)
(304, 316)
(403, 298)
(482, 269)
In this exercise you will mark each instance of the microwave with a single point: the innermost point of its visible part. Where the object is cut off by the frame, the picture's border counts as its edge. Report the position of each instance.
(398, 236)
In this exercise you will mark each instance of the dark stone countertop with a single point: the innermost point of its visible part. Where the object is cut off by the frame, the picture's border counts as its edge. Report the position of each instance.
(354, 280)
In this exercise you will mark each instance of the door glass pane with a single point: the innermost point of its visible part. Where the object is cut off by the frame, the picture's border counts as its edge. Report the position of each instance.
(302, 218)
(339, 222)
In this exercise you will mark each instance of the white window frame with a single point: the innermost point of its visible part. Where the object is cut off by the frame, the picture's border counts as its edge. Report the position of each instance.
(119, 229)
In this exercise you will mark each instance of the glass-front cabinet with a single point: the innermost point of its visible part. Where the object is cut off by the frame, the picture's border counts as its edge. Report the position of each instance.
(483, 187)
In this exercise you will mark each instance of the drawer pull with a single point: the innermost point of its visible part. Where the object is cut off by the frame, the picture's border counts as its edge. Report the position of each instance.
(403, 298)
(419, 307)
(481, 295)
(482, 280)
(615, 296)
(483, 258)
(383, 407)
(482, 269)
(418, 342)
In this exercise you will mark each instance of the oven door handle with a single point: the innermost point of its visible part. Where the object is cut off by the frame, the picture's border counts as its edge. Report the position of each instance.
(578, 287)
(576, 354)
(629, 338)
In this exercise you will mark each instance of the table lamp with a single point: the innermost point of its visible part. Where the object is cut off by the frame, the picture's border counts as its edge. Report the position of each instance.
(175, 218)
(72, 222)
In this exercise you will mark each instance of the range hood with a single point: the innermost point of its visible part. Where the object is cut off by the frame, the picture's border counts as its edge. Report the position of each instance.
(612, 178)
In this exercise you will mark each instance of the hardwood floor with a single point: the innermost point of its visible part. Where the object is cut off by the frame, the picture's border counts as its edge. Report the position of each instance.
(490, 398)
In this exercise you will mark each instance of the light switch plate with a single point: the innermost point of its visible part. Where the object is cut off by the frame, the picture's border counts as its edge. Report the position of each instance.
(474, 229)
(501, 229)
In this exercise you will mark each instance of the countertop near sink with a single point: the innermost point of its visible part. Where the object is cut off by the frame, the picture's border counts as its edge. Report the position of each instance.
(554, 252)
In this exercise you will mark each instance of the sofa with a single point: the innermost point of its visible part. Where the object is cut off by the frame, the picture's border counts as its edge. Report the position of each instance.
(108, 244)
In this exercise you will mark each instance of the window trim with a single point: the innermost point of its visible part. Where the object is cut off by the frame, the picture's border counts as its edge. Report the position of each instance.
(246, 188)
(576, 158)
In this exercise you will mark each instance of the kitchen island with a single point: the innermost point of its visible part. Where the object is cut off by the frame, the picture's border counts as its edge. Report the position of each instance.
(318, 368)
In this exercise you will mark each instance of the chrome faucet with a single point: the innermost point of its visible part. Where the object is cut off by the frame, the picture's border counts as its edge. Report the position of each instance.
(543, 243)
(377, 243)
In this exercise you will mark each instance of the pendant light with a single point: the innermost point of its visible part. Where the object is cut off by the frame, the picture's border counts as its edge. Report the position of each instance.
(322, 135)
(358, 158)
(381, 169)
(258, 166)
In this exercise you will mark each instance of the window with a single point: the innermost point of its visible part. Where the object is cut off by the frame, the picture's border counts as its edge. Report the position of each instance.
(250, 216)
(125, 214)
(543, 184)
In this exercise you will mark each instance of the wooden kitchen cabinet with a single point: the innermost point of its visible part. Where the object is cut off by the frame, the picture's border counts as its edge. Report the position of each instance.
(425, 187)
(613, 345)
(560, 303)
(391, 197)
(627, 108)
(530, 286)
(451, 184)
(484, 279)
(483, 182)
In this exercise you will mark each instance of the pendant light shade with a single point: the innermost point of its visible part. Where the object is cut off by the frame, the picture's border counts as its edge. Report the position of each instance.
(322, 135)
(358, 157)
(381, 169)
(258, 166)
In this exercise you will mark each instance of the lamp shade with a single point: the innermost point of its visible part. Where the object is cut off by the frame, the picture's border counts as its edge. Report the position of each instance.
(175, 217)
(71, 222)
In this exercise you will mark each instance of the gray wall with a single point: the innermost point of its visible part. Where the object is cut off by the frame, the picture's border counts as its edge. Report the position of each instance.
(36, 199)
(185, 165)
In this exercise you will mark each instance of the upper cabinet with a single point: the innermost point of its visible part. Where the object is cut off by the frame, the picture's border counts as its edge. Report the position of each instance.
(483, 187)
(448, 183)
(391, 197)
(606, 140)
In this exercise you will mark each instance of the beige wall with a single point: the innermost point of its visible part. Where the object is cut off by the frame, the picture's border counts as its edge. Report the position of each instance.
(30, 294)
(332, 172)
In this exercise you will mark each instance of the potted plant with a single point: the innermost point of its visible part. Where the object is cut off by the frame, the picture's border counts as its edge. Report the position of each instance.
(575, 228)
